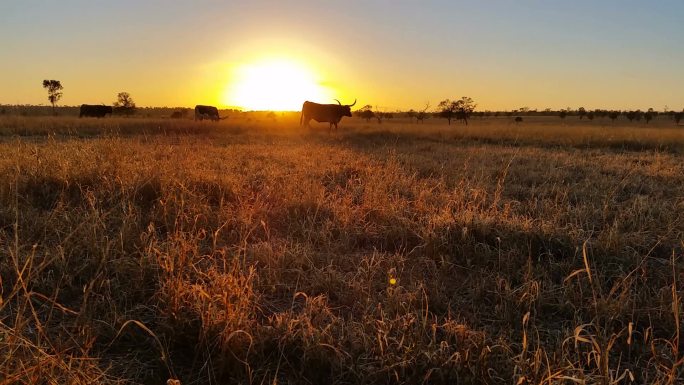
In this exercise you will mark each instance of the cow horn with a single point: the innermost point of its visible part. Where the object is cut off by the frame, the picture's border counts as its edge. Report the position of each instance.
(338, 102)
(353, 103)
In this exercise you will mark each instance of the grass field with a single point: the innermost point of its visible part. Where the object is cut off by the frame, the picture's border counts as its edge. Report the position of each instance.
(254, 251)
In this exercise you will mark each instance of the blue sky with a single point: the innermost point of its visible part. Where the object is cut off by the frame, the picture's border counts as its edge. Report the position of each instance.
(395, 54)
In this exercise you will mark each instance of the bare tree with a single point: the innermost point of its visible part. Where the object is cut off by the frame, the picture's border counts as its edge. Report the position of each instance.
(422, 114)
(54, 89)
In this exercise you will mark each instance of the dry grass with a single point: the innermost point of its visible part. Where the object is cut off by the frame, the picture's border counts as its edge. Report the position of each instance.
(252, 251)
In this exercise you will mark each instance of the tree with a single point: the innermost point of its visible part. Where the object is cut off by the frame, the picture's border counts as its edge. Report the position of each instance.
(411, 114)
(581, 112)
(124, 103)
(366, 112)
(458, 109)
(379, 115)
(638, 115)
(613, 115)
(464, 107)
(447, 109)
(422, 114)
(54, 89)
(648, 116)
(630, 115)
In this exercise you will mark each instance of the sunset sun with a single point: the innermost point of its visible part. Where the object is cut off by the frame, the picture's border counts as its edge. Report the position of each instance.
(277, 84)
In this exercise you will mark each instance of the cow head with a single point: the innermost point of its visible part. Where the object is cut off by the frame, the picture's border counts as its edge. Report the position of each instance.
(346, 108)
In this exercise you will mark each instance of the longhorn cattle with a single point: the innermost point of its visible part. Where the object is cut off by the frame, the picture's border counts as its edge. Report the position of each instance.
(96, 111)
(206, 112)
(330, 113)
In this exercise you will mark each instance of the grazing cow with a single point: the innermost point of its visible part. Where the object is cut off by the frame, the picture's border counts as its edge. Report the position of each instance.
(518, 119)
(96, 111)
(330, 113)
(206, 112)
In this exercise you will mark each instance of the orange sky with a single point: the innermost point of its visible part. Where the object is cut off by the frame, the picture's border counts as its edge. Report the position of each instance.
(393, 55)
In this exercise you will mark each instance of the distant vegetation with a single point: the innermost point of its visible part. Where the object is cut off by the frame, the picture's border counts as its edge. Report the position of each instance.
(368, 113)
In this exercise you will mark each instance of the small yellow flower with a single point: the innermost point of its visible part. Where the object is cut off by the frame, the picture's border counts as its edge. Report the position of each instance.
(393, 281)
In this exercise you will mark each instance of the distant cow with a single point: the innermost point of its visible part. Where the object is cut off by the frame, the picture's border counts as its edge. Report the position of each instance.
(95, 111)
(330, 113)
(518, 119)
(206, 112)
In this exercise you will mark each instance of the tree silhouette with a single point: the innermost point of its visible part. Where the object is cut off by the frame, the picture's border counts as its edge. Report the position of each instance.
(411, 114)
(613, 115)
(457, 109)
(447, 109)
(638, 115)
(648, 116)
(422, 114)
(124, 103)
(379, 115)
(54, 89)
(464, 107)
(366, 112)
(581, 112)
(630, 115)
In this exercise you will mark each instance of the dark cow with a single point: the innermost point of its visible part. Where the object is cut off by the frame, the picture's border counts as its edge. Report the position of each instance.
(206, 112)
(95, 111)
(330, 113)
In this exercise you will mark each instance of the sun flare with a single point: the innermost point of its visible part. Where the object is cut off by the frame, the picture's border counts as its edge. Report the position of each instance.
(275, 84)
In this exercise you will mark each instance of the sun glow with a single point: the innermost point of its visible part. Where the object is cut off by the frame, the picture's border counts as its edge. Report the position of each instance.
(274, 84)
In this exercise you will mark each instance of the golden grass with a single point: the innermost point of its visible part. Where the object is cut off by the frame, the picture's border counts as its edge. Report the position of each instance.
(253, 251)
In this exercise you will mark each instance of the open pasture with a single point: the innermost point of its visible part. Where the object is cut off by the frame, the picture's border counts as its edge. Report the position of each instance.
(251, 250)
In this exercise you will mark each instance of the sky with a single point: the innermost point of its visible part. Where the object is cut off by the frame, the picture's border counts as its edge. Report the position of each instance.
(399, 54)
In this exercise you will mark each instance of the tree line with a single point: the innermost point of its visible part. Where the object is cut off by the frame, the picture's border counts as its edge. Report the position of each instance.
(464, 109)
(461, 110)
